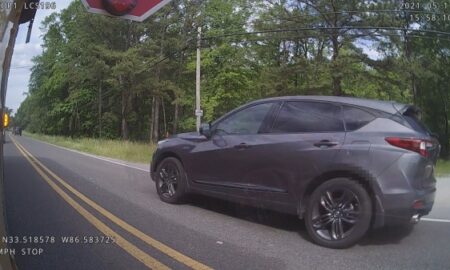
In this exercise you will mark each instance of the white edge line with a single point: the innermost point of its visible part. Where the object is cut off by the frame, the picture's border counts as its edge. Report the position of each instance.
(92, 156)
(436, 220)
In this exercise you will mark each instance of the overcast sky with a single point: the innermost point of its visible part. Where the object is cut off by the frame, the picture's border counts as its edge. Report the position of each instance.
(23, 53)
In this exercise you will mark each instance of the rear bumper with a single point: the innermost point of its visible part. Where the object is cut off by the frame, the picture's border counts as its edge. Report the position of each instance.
(400, 208)
(406, 187)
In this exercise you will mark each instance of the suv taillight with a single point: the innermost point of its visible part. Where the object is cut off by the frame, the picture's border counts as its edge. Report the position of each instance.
(417, 145)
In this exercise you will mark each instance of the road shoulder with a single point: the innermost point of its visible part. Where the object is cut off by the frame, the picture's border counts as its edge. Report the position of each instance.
(138, 166)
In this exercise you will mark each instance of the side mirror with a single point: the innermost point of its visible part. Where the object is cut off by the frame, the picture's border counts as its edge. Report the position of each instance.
(205, 130)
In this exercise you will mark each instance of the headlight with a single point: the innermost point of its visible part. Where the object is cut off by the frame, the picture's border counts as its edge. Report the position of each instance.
(162, 141)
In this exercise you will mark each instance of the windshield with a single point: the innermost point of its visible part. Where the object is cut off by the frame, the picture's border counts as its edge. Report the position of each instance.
(107, 160)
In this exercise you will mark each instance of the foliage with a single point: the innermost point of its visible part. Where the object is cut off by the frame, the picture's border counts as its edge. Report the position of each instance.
(110, 78)
(443, 168)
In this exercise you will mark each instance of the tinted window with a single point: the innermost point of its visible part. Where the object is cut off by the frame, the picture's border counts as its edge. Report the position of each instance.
(413, 116)
(356, 118)
(296, 117)
(247, 121)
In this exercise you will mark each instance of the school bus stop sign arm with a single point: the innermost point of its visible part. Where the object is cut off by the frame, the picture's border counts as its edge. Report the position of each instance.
(136, 10)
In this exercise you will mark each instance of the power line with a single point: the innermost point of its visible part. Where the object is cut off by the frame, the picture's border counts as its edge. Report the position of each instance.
(298, 36)
(326, 28)
(158, 61)
(351, 12)
(19, 67)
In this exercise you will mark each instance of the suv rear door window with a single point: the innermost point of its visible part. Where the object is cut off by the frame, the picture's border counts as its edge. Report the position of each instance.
(356, 118)
(308, 117)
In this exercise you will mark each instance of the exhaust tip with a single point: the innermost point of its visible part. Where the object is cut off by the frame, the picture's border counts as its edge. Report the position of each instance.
(415, 219)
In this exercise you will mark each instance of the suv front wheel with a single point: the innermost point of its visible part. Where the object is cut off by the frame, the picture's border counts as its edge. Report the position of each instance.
(339, 213)
(171, 181)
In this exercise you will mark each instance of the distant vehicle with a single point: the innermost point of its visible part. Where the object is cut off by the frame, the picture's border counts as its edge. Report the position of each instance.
(342, 164)
(17, 131)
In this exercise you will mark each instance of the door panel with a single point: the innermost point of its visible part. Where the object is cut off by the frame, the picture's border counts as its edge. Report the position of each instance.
(277, 163)
(304, 141)
(215, 161)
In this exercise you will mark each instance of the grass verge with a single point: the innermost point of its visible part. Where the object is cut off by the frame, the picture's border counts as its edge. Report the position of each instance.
(443, 168)
(123, 150)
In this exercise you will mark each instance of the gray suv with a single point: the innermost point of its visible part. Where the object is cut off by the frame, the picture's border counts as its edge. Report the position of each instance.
(342, 164)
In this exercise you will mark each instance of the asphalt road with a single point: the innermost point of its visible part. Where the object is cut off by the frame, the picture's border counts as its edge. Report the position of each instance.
(203, 233)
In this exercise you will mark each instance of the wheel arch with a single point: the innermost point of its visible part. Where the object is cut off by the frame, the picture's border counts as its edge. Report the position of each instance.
(367, 180)
(163, 156)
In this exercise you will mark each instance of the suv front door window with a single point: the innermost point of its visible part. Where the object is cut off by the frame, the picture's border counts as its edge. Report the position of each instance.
(246, 121)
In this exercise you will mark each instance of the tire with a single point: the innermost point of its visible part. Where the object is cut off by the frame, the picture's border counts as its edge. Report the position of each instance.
(171, 181)
(339, 213)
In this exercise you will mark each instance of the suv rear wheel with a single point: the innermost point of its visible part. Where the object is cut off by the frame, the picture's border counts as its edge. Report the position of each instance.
(339, 213)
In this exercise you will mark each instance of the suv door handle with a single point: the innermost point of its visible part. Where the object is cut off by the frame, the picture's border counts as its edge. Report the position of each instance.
(242, 146)
(325, 144)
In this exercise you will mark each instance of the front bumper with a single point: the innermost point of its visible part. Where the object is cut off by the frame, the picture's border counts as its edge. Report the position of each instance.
(153, 165)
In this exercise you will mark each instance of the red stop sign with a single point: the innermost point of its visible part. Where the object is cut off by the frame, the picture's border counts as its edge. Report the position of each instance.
(136, 10)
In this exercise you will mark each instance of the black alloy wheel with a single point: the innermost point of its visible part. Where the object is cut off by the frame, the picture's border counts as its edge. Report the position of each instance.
(171, 181)
(339, 213)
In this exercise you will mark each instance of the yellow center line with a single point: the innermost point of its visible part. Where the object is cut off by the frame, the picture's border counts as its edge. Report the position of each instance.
(121, 223)
(140, 255)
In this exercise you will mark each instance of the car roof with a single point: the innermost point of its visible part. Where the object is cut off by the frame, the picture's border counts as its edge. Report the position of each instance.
(391, 107)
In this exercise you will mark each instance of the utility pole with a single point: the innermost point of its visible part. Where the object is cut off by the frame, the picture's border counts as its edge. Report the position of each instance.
(198, 111)
(100, 96)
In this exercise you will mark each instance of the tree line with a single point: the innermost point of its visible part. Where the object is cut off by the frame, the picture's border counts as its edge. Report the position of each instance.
(104, 77)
